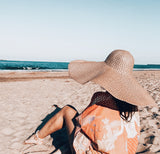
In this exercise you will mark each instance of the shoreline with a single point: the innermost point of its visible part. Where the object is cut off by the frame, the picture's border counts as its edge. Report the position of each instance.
(59, 71)
(29, 75)
(22, 75)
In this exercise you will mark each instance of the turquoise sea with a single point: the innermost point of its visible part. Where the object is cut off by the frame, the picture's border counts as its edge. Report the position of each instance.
(33, 65)
(55, 66)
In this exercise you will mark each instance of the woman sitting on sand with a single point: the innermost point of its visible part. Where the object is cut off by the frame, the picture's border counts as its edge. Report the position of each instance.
(110, 123)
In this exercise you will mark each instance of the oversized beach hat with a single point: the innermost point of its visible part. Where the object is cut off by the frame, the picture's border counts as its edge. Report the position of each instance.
(115, 74)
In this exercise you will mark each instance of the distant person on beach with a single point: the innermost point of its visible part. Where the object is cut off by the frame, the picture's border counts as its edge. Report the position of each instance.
(110, 123)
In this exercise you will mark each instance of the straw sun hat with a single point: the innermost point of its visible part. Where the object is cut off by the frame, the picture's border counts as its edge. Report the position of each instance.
(115, 75)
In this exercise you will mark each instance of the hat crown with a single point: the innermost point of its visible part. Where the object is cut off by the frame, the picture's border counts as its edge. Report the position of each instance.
(120, 60)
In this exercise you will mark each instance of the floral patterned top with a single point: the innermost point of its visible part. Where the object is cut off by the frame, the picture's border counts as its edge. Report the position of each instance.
(102, 130)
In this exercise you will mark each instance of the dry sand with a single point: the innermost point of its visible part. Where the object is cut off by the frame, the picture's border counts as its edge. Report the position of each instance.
(27, 99)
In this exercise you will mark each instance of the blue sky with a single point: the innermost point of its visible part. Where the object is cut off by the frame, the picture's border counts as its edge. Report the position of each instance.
(64, 30)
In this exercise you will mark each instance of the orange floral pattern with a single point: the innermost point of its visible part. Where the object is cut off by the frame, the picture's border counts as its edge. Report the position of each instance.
(102, 130)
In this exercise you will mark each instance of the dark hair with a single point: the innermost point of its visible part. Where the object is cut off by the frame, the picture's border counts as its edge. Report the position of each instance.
(126, 110)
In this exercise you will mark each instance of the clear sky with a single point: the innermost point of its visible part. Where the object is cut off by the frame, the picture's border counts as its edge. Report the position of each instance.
(65, 30)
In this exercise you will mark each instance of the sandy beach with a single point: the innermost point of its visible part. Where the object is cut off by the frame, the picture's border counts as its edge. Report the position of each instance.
(29, 99)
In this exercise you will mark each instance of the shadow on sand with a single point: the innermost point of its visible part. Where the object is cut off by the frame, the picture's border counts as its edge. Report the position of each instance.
(60, 137)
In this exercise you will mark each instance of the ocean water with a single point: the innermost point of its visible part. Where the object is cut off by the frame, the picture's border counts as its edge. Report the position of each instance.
(147, 67)
(33, 65)
(55, 66)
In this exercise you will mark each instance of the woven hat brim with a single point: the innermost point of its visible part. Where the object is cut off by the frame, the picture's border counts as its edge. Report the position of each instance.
(121, 86)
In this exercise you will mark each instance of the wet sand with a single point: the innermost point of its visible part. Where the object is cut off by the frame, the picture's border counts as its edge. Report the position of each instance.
(27, 101)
